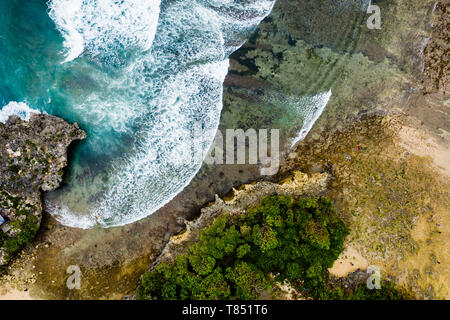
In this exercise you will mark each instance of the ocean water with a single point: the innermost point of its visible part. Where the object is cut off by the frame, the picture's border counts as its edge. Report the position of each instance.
(144, 78)
(138, 76)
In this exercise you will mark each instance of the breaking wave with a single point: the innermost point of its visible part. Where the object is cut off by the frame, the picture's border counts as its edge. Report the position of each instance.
(19, 109)
(100, 26)
(142, 75)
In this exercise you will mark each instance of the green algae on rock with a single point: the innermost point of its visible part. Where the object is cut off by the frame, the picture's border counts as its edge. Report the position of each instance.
(306, 48)
(391, 199)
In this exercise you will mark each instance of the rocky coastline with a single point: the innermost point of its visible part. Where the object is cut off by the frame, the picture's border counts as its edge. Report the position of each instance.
(382, 136)
(33, 155)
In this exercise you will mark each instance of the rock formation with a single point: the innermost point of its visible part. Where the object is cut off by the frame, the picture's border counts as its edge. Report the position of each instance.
(32, 157)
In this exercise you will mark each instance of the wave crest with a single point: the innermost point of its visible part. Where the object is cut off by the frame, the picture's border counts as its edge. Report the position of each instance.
(98, 26)
(140, 111)
(19, 109)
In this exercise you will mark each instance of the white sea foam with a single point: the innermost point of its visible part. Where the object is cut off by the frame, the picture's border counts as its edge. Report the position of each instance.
(20, 109)
(156, 98)
(238, 18)
(145, 174)
(310, 109)
(101, 25)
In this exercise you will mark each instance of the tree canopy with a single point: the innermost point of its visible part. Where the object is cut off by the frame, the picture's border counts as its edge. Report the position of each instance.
(242, 256)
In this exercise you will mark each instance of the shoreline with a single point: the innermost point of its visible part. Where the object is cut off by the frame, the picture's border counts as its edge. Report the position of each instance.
(104, 257)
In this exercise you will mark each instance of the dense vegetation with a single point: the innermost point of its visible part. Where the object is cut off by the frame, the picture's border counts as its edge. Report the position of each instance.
(242, 256)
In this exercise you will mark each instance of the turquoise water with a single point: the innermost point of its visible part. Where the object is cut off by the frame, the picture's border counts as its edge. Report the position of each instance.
(143, 78)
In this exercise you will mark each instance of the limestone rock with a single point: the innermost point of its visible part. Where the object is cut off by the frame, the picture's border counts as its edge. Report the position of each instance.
(33, 155)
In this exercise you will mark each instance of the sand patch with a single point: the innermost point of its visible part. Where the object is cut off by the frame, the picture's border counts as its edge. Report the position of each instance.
(8, 293)
(349, 261)
(424, 145)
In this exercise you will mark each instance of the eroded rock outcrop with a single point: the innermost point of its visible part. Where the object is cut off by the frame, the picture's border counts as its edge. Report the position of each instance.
(32, 157)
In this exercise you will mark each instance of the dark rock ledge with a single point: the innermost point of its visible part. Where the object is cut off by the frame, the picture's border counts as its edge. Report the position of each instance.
(32, 157)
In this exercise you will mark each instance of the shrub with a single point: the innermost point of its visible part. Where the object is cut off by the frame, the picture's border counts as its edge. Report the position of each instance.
(236, 257)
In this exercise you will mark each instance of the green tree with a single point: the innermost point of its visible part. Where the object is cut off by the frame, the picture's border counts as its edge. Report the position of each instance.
(235, 258)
